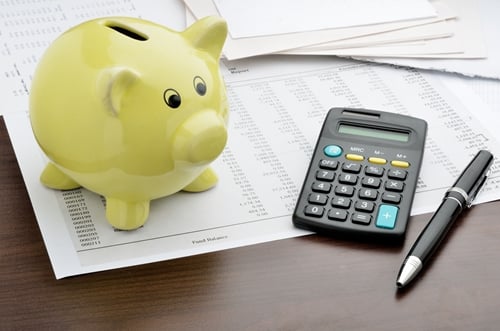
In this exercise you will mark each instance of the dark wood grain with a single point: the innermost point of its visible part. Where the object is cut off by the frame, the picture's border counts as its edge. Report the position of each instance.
(308, 283)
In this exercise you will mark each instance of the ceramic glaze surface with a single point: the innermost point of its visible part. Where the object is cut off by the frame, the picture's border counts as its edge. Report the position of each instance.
(131, 110)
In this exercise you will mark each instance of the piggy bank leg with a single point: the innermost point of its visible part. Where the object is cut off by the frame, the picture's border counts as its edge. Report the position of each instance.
(126, 215)
(203, 182)
(54, 178)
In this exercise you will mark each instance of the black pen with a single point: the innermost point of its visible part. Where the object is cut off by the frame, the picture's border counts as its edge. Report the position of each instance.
(456, 199)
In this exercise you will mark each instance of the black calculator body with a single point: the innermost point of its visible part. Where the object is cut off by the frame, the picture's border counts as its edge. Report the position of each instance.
(363, 174)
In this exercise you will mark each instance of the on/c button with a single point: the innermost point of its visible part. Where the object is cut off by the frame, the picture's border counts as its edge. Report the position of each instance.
(332, 150)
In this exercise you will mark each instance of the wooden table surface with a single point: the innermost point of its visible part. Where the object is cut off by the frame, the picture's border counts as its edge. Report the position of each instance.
(308, 283)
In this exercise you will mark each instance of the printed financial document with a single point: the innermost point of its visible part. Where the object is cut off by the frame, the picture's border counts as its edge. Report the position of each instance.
(277, 108)
(277, 105)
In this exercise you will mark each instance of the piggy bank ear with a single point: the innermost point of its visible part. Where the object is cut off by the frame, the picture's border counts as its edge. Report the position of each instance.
(208, 34)
(112, 84)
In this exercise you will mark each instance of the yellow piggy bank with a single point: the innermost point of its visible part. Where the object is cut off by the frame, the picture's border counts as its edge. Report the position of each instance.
(131, 110)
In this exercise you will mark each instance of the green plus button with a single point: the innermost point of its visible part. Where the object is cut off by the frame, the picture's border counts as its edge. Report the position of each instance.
(332, 150)
(386, 217)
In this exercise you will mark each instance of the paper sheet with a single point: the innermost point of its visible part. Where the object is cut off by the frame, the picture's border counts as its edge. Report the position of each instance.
(465, 42)
(414, 33)
(487, 22)
(277, 106)
(437, 47)
(247, 47)
(262, 17)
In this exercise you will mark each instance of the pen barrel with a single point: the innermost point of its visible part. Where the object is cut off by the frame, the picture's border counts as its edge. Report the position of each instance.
(436, 229)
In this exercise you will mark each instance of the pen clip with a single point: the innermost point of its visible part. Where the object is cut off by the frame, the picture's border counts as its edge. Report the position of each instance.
(476, 190)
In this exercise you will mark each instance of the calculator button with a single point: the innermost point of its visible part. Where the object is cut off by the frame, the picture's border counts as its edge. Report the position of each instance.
(351, 167)
(354, 157)
(328, 164)
(348, 179)
(394, 185)
(332, 150)
(397, 174)
(368, 194)
(377, 160)
(371, 182)
(374, 171)
(400, 164)
(341, 202)
(366, 206)
(344, 190)
(337, 215)
(386, 216)
(317, 198)
(391, 197)
(326, 175)
(314, 211)
(360, 218)
(321, 187)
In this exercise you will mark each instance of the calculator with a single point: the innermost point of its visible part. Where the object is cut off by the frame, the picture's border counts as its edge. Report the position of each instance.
(363, 174)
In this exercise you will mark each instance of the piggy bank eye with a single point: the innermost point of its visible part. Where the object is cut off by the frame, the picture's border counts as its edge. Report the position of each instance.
(199, 85)
(172, 98)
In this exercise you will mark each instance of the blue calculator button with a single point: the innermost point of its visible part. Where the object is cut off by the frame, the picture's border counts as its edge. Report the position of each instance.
(386, 217)
(332, 150)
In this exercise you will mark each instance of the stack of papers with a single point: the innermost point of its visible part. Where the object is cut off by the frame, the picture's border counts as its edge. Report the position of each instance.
(364, 29)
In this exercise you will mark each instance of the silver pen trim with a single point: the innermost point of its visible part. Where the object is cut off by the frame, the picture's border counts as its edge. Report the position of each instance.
(459, 191)
(458, 201)
(410, 269)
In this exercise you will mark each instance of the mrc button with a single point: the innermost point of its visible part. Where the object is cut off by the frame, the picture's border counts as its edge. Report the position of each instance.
(354, 157)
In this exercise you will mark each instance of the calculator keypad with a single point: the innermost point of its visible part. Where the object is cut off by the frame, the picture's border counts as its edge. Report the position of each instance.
(360, 192)
(362, 176)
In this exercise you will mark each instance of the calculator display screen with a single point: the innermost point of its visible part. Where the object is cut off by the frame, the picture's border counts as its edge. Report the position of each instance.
(372, 132)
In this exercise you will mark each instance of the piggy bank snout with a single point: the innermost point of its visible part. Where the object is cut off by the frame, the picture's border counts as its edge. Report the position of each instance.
(201, 138)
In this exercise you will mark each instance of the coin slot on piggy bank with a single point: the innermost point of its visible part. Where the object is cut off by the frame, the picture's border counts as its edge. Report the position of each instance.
(127, 31)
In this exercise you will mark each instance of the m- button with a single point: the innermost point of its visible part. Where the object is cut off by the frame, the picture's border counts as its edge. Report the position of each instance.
(377, 160)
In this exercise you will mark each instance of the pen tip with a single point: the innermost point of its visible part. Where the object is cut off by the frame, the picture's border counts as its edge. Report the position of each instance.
(409, 270)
